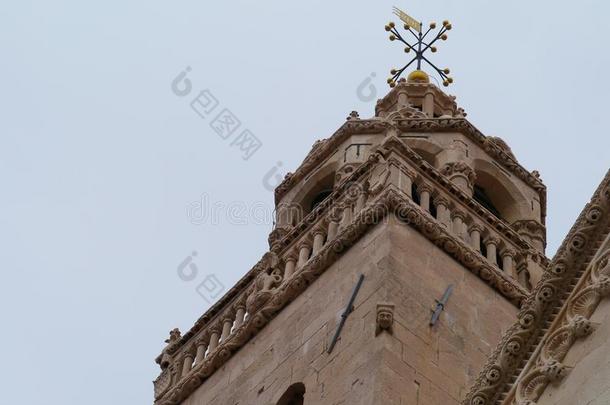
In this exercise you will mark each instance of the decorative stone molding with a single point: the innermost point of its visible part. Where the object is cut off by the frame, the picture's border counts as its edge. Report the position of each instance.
(385, 318)
(575, 260)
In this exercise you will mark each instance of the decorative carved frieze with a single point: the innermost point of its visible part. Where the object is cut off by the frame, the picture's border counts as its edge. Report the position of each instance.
(576, 253)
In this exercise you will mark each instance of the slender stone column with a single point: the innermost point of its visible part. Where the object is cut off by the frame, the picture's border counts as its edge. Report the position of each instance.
(202, 346)
(442, 211)
(475, 236)
(333, 224)
(227, 324)
(290, 266)
(424, 195)
(187, 363)
(304, 250)
(318, 241)
(240, 313)
(492, 243)
(458, 223)
(214, 338)
(508, 263)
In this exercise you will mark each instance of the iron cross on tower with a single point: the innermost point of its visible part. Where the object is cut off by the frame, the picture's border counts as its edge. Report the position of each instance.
(420, 46)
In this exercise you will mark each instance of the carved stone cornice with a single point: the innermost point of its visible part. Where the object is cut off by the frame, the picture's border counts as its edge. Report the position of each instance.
(573, 258)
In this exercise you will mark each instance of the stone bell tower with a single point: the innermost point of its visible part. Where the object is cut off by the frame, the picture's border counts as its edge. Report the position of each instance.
(409, 206)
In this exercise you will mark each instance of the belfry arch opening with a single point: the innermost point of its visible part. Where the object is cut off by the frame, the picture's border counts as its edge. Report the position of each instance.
(294, 395)
(322, 189)
(497, 196)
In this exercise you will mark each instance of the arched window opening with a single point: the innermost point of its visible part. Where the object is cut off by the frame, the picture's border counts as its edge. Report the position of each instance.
(319, 192)
(321, 196)
(294, 395)
(480, 195)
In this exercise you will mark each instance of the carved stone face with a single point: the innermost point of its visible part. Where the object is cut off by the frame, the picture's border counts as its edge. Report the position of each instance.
(385, 319)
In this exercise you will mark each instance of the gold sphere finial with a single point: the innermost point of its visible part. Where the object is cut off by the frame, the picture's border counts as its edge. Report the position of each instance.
(418, 76)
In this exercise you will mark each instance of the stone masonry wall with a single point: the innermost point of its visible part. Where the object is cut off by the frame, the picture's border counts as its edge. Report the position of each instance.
(413, 365)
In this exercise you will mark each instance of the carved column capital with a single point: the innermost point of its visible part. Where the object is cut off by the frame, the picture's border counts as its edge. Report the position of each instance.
(474, 227)
(335, 213)
(215, 328)
(508, 252)
(492, 240)
(319, 230)
(304, 243)
(456, 213)
(425, 187)
(441, 199)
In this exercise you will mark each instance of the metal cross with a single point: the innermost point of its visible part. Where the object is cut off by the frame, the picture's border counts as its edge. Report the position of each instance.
(420, 46)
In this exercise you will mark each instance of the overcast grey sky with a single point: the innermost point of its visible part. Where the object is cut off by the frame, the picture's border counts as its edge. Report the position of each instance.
(100, 160)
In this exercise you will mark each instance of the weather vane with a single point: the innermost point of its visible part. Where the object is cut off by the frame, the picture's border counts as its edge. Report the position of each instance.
(419, 46)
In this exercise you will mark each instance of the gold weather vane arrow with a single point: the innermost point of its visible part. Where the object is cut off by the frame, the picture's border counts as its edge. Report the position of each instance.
(419, 46)
(407, 19)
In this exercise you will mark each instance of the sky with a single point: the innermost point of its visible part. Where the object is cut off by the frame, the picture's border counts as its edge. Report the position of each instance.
(120, 201)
